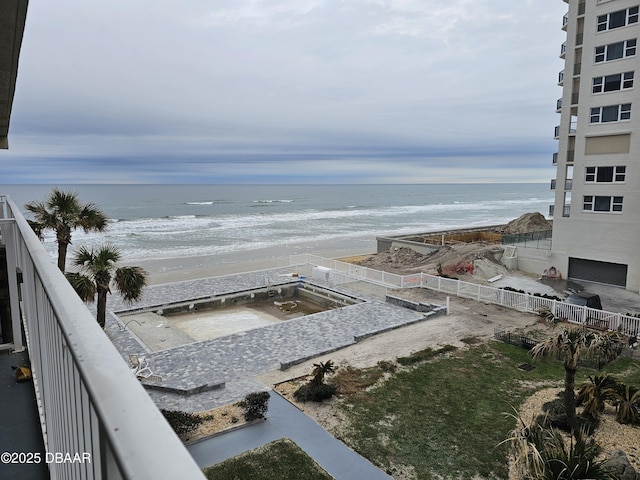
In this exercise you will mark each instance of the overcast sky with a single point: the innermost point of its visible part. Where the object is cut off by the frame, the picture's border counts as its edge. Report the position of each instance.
(286, 91)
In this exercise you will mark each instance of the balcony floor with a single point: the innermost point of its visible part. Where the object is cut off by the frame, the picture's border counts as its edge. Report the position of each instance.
(19, 422)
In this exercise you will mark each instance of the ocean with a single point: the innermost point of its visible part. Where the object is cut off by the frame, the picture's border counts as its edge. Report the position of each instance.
(226, 223)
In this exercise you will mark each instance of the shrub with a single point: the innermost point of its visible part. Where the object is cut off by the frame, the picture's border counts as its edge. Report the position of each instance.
(314, 392)
(593, 394)
(181, 422)
(628, 405)
(255, 405)
(555, 417)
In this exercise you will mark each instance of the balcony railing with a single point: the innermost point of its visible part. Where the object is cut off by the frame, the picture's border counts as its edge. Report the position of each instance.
(565, 21)
(577, 68)
(551, 210)
(554, 160)
(90, 403)
(559, 105)
(560, 77)
(568, 184)
(566, 210)
(553, 184)
(563, 49)
(581, 7)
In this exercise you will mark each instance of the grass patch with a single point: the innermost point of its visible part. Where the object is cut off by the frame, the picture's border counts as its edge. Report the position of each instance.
(423, 355)
(446, 417)
(281, 459)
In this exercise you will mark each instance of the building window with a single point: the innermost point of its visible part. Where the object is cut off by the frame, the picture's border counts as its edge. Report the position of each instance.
(618, 19)
(612, 83)
(605, 174)
(611, 113)
(614, 51)
(599, 203)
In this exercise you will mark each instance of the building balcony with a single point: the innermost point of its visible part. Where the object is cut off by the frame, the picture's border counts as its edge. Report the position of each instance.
(565, 21)
(560, 78)
(89, 402)
(553, 184)
(563, 50)
(558, 105)
(551, 210)
(554, 159)
(568, 184)
(577, 69)
(566, 210)
(570, 156)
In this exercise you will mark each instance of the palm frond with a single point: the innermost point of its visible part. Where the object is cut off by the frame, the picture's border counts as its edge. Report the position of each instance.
(130, 282)
(83, 285)
(84, 258)
(91, 218)
(106, 256)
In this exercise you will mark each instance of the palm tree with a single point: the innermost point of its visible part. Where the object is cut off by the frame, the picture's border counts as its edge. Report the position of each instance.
(570, 344)
(96, 269)
(62, 212)
(320, 370)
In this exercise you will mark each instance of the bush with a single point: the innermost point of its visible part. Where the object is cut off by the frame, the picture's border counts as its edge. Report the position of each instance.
(315, 392)
(181, 422)
(256, 405)
(556, 417)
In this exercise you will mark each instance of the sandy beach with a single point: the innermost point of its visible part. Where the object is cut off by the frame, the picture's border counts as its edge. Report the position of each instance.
(192, 268)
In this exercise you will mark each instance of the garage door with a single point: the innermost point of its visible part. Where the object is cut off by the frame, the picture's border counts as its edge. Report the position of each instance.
(600, 272)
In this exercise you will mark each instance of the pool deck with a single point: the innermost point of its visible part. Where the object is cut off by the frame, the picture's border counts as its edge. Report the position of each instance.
(207, 374)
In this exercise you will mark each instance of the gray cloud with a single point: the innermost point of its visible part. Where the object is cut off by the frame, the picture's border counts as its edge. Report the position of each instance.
(189, 91)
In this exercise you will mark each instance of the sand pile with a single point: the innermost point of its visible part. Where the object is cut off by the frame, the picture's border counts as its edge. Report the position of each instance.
(529, 222)
(462, 259)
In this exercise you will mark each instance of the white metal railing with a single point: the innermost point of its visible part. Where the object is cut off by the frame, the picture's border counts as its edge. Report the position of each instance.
(523, 302)
(91, 406)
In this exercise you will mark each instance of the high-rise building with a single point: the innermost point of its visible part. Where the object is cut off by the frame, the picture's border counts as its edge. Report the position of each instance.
(596, 215)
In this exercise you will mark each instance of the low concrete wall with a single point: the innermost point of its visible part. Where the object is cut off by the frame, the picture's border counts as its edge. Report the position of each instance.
(532, 260)
(411, 305)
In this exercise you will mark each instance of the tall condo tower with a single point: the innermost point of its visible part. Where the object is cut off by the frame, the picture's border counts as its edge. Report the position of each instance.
(596, 214)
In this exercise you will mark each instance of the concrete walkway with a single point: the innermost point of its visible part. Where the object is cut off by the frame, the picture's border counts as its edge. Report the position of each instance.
(284, 420)
(19, 422)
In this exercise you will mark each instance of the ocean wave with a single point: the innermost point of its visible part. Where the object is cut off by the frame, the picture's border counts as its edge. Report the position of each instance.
(271, 201)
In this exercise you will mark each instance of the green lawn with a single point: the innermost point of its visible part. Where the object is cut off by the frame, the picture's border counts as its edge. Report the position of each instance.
(445, 417)
(282, 460)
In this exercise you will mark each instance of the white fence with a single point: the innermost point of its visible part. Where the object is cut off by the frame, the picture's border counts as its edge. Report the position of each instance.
(523, 302)
(90, 403)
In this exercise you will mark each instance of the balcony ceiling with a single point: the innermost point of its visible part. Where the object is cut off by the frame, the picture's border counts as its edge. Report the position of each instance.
(13, 14)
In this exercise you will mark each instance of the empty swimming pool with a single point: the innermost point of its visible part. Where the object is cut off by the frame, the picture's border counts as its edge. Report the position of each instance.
(203, 319)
